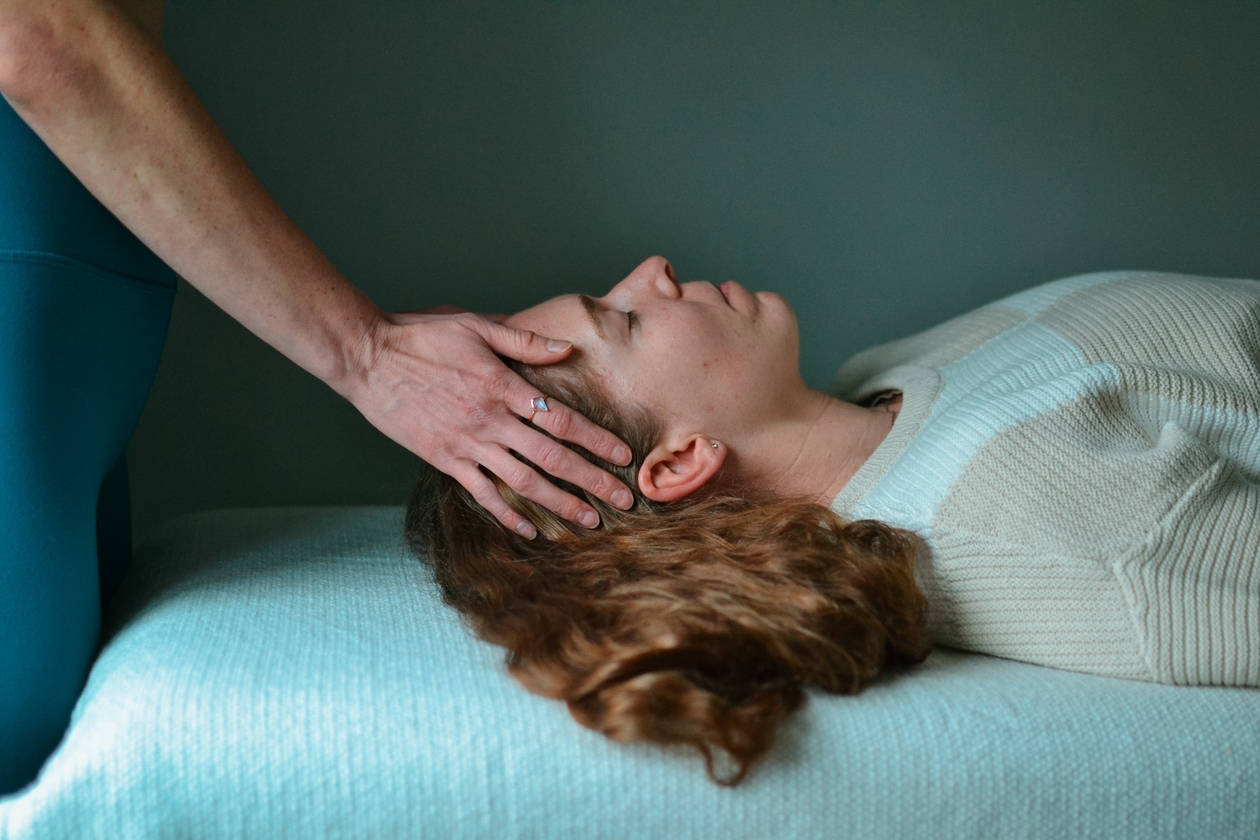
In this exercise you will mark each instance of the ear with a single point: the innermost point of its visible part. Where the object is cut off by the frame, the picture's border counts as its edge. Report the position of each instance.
(673, 472)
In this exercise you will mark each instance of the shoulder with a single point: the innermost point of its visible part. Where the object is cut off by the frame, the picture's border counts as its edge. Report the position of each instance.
(1204, 328)
(1084, 309)
(1140, 292)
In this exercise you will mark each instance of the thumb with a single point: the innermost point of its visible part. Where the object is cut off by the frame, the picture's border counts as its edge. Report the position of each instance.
(525, 345)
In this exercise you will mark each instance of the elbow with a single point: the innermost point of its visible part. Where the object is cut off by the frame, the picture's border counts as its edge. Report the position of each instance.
(10, 50)
(16, 32)
(30, 54)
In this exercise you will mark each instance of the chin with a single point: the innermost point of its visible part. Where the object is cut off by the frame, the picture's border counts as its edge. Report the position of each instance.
(774, 300)
(780, 313)
(776, 303)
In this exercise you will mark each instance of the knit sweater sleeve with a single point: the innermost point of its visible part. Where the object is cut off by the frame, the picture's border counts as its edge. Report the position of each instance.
(1087, 482)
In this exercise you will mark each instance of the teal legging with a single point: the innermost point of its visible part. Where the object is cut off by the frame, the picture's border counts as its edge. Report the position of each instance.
(84, 308)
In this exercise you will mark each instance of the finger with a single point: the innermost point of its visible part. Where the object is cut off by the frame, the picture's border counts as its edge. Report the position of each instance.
(485, 494)
(440, 309)
(415, 316)
(564, 463)
(528, 483)
(569, 425)
(523, 345)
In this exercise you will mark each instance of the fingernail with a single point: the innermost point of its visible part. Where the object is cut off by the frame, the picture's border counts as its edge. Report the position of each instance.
(622, 499)
(558, 346)
(527, 530)
(589, 518)
(621, 456)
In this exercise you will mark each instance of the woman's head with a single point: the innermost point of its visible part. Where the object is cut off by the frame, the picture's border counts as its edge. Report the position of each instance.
(708, 364)
(695, 617)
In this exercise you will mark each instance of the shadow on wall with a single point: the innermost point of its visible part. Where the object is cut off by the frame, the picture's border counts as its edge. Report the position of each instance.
(882, 165)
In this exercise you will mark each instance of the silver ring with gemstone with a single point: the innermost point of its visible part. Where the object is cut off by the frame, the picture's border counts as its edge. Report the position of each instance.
(538, 404)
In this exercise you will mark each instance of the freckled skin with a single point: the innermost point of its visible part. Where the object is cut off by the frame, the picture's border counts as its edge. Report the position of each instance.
(702, 363)
(714, 365)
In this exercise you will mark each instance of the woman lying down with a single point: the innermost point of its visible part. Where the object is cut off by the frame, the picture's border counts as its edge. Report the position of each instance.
(1066, 477)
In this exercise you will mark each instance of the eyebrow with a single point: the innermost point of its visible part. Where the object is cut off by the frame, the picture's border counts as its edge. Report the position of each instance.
(593, 312)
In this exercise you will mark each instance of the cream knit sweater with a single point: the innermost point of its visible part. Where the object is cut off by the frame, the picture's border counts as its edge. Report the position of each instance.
(1082, 462)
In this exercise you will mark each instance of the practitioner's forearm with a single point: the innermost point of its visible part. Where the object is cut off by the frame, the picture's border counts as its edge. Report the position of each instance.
(109, 102)
(114, 108)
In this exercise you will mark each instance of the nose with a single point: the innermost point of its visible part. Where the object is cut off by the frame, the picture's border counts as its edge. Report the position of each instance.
(664, 278)
(654, 276)
(668, 268)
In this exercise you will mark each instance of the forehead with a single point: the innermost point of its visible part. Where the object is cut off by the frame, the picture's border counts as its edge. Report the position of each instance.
(566, 317)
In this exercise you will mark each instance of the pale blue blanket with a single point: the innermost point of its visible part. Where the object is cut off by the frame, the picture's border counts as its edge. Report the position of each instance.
(292, 673)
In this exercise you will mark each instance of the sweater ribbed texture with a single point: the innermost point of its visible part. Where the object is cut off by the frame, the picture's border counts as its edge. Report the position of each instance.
(1082, 463)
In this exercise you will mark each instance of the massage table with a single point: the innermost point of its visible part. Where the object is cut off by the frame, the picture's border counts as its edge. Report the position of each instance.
(293, 673)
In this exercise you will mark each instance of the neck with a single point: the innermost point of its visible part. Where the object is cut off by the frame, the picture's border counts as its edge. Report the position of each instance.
(814, 452)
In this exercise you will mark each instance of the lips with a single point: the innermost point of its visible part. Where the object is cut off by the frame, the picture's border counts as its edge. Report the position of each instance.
(725, 289)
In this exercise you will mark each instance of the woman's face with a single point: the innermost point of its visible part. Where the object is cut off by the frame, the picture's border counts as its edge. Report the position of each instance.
(702, 358)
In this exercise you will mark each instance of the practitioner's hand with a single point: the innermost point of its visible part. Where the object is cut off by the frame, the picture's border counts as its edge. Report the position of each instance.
(444, 309)
(432, 382)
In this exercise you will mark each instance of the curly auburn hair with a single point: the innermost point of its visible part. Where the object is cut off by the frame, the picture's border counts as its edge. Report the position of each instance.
(697, 622)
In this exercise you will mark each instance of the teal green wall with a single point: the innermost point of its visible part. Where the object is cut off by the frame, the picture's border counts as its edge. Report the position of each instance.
(882, 165)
